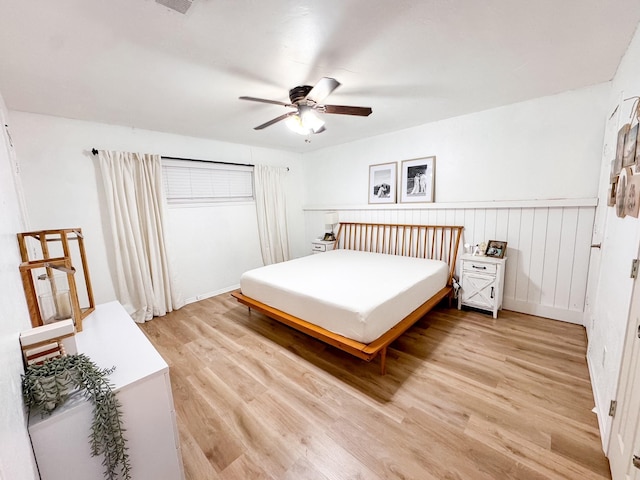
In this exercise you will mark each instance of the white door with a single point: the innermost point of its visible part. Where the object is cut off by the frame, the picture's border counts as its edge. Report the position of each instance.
(624, 443)
(610, 288)
(600, 221)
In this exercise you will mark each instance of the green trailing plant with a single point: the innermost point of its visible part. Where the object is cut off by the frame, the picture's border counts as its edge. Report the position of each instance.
(47, 386)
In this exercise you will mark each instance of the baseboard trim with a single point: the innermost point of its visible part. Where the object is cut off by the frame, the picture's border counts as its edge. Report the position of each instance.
(202, 296)
(570, 316)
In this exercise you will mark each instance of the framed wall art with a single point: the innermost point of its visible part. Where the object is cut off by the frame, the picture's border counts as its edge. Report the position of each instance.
(417, 183)
(629, 151)
(382, 183)
(496, 249)
(621, 190)
(632, 203)
(622, 135)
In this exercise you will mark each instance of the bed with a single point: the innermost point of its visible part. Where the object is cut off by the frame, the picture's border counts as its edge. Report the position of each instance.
(378, 281)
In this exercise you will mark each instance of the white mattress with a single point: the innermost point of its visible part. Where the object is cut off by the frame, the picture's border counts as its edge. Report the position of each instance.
(359, 295)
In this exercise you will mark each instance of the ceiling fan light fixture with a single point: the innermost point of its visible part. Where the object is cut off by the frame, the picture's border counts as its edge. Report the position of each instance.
(294, 123)
(305, 122)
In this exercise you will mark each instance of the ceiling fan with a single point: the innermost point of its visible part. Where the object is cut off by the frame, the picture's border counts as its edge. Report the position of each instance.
(306, 101)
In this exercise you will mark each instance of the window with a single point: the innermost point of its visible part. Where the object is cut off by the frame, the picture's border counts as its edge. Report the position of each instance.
(188, 182)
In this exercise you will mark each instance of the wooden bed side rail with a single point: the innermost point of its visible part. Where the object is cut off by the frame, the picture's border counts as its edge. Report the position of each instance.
(348, 345)
(436, 242)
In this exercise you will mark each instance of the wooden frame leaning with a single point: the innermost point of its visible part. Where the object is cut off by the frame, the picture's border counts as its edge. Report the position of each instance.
(496, 249)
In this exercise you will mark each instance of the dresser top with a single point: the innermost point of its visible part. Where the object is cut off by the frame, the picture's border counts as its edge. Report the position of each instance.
(111, 338)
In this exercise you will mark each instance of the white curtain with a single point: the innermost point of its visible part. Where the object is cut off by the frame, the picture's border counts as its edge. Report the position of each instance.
(133, 186)
(272, 213)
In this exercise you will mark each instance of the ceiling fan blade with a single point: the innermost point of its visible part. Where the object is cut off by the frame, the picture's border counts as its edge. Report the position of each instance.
(275, 120)
(263, 100)
(345, 110)
(323, 88)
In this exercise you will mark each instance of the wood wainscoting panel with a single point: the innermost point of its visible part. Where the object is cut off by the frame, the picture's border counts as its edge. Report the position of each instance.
(549, 245)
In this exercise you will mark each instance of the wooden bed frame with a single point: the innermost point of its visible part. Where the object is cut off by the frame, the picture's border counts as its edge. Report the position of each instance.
(423, 241)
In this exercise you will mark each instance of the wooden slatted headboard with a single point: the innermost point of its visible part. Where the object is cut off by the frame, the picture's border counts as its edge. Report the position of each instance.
(436, 242)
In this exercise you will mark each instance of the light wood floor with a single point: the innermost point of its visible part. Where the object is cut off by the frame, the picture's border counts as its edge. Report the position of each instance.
(465, 397)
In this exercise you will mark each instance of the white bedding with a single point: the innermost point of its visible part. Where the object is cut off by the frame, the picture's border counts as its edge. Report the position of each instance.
(359, 295)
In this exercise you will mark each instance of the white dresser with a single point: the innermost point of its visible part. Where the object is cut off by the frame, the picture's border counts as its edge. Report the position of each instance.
(482, 282)
(141, 379)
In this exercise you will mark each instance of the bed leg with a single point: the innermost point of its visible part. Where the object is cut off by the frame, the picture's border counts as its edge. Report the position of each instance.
(383, 361)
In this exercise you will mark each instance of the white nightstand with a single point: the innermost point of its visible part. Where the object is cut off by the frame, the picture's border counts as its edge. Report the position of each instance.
(482, 282)
(318, 246)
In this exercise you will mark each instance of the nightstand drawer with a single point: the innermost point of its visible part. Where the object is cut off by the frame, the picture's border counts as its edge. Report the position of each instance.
(479, 267)
(318, 247)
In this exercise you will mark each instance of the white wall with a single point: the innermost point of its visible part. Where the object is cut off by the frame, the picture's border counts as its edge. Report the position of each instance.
(525, 173)
(610, 286)
(546, 148)
(211, 246)
(16, 457)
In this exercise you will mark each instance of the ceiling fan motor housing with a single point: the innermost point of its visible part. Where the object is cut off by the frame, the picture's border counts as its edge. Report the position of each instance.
(296, 94)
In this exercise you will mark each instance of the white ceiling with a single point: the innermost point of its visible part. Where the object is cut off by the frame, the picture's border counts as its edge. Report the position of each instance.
(137, 63)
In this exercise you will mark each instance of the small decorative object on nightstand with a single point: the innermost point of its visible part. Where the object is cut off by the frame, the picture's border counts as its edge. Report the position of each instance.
(482, 281)
(318, 245)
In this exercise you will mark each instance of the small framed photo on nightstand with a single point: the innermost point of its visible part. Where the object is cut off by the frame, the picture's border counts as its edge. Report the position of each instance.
(496, 249)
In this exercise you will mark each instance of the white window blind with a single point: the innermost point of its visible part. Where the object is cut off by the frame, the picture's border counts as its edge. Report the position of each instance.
(206, 182)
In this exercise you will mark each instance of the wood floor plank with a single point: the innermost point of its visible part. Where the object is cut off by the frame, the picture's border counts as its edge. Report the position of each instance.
(304, 469)
(334, 462)
(196, 464)
(244, 467)
(383, 450)
(453, 453)
(544, 461)
(466, 397)
(208, 429)
(582, 450)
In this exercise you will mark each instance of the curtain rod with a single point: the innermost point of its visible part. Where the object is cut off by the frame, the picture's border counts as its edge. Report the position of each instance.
(95, 152)
(208, 161)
